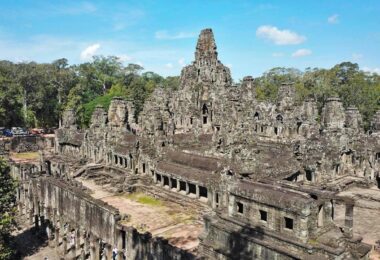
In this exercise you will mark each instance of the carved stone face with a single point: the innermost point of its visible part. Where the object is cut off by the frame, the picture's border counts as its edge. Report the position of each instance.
(69, 119)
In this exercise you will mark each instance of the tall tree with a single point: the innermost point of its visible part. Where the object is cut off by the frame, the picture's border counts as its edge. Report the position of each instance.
(7, 210)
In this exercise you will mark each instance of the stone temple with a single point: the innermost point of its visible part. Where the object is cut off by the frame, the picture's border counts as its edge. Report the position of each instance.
(234, 177)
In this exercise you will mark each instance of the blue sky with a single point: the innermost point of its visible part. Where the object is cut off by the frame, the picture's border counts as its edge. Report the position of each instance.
(252, 36)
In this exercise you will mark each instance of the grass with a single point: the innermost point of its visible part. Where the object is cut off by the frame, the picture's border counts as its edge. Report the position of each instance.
(145, 199)
(25, 156)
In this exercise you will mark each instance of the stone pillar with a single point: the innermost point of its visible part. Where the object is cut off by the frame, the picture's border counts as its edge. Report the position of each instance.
(64, 244)
(187, 188)
(31, 217)
(119, 245)
(77, 238)
(170, 183)
(95, 249)
(56, 237)
(108, 251)
(349, 219)
(155, 177)
(231, 205)
(86, 245)
(197, 191)
(177, 188)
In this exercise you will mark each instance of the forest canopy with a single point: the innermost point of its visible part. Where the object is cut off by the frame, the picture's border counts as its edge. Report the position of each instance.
(34, 94)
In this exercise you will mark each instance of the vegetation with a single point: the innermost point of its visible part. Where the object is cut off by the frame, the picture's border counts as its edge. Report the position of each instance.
(7, 210)
(34, 95)
(346, 80)
(25, 156)
(145, 199)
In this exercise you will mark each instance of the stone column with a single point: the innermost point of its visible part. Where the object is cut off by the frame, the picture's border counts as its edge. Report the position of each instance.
(108, 251)
(177, 188)
(31, 217)
(95, 249)
(197, 191)
(64, 244)
(231, 205)
(170, 183)
(56, 237)
(187, 188)
(119, 245)
(155, 177)
(86, 245)
(77, 238)
(349, 219)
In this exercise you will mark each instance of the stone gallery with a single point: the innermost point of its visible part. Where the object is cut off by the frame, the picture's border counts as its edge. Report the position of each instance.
(209, 172)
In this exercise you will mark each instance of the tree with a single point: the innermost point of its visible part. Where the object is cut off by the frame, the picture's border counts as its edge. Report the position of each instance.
(7, 210)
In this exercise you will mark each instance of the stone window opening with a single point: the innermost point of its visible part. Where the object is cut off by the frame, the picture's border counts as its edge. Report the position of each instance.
(337, 168)
(202, 192)
(280, 119)
(298, 127)
(191, 120)
(115, 159)
(289, 223)
(152, 173)
(166, 180)
(204, 109)
(377, 156)
(320, 216)
(309, 175)
(143, 167)
(125, 163)
(275, 130)
(174, 183)
(158, 177)
(262, 129)
(217, 128)
(217, 199)
(192, 188)
(263, 215)
(255, 128)
(182, 186)
(205, 120)
(240, 207)
(256, 116)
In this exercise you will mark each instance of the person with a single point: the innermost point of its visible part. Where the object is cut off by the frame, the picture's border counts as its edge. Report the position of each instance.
(114, 253)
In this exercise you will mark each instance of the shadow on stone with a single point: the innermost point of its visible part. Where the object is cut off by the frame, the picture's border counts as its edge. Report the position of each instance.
(29, 242)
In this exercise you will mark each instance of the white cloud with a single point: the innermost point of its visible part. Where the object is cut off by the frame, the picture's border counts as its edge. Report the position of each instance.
(169, 65)
(89, 52)
(164, 35)
(181, 62)
(357, 56)
(124, 57)
(372, 70)
(279, 37)
(334, 19)
(301, 53)
(277, 54)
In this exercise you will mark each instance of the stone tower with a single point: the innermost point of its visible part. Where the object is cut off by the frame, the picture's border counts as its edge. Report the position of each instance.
(333, 115)
(286, 95)
(206, 54)
(117, 112)
(69, 119)
(375, 123)
(353, 118)
(206, 69)
(99, 117)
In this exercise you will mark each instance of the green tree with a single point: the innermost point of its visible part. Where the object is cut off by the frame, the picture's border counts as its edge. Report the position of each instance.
(7, 210)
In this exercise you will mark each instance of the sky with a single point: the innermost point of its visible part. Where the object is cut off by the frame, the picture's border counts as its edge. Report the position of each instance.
(252, 36)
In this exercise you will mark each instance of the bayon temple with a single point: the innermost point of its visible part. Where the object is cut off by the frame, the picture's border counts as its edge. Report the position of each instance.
(235, 178)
